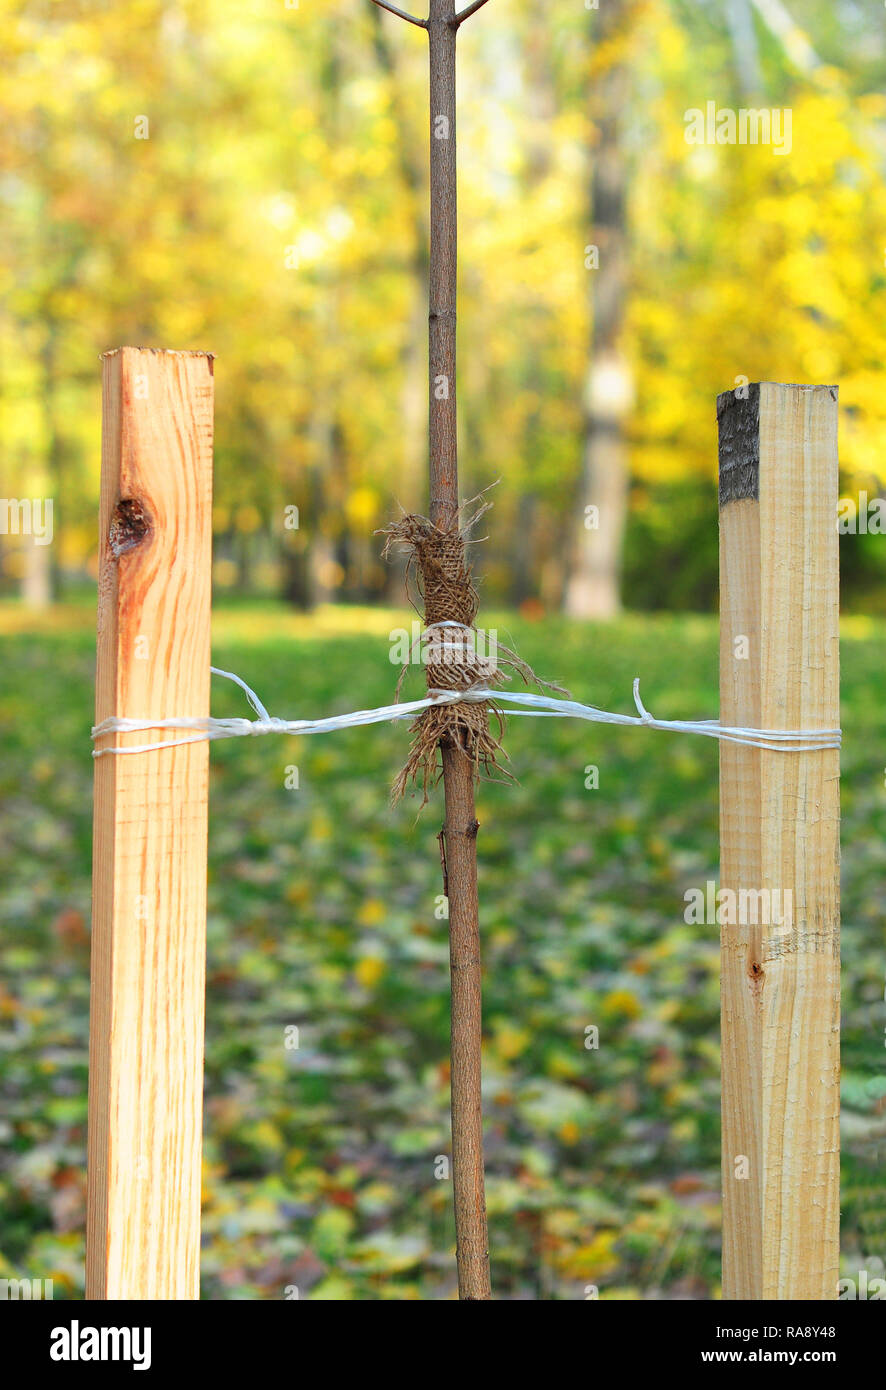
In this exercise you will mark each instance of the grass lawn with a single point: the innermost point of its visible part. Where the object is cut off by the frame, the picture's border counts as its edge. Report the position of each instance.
(322, 1162)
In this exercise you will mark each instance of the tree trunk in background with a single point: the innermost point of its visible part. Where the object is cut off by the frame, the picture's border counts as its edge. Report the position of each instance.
(36, 589)
(415, 358)
(593, 588)
(295, 576)
(744, 46)
(243, 558)
(321, 545)
(541, 106)
(309, 558)
(524, 581)
(312, 571)
(41, 580)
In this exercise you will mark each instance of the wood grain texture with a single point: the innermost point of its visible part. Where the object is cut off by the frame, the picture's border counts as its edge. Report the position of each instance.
(779, 831)
(150, 830)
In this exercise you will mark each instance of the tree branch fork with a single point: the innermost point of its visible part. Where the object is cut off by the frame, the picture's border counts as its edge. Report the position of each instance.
(453, 23)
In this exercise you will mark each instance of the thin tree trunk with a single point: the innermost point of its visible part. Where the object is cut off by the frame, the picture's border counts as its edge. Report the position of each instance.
(594, 584)
(460, 828)
(442, 416)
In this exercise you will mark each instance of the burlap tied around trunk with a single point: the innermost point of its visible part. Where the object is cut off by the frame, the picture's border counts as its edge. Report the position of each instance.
(455, 654)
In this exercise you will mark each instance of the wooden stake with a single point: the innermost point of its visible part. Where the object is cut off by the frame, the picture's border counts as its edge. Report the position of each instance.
(149, 856)
(779, 832)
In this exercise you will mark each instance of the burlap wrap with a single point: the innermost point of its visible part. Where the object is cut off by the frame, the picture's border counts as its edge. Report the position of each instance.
(454, 658)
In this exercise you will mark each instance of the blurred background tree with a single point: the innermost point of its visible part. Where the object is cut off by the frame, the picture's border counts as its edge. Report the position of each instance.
(252, 180)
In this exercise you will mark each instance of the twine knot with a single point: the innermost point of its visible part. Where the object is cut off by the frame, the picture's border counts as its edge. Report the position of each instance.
(456, 665)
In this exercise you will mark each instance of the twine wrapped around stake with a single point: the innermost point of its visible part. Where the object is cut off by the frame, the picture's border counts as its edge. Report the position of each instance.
(446, 584)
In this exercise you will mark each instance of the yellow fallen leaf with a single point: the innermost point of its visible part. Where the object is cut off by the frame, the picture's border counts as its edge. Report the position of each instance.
(372, 912)
(622, 1002)
(369, 971)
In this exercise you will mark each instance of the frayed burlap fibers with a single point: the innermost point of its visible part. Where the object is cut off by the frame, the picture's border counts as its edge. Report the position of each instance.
(454, 658)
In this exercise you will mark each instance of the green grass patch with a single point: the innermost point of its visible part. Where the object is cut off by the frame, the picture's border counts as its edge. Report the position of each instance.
(320, 1161)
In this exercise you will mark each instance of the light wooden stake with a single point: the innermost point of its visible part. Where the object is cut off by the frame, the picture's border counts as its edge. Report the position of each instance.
(149, 856)
(780, 833)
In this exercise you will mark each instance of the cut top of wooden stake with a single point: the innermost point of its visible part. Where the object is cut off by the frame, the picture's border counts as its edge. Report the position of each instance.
(738, 417)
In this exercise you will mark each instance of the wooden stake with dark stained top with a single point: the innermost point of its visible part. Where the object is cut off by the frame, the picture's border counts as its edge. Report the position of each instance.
(780, 834)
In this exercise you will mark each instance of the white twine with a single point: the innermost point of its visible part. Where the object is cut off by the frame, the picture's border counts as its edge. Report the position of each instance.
(516, 703)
